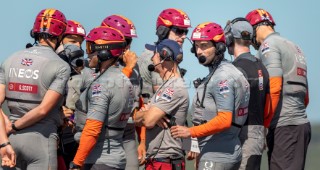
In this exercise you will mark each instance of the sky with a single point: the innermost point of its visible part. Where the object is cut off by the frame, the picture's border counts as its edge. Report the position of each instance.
(296, 20)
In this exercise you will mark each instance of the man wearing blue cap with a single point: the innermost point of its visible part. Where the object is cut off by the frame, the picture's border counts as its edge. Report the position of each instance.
(239, 33)
(168, 107)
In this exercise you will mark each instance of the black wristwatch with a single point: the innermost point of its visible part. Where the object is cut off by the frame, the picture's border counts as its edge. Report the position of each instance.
(4, 144)
(14, 127)
(74, 166)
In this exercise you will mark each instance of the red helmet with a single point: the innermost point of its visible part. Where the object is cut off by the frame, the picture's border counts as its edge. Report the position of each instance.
(50, 21)
(106, 35)
(208, 31)
(121, 23)
(173, 17)
(259, 15)
(75, 28)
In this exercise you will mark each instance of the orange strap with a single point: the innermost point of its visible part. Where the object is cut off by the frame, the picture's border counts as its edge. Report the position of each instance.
(275, 92)
(88, 139)
(127, 71)
(141, 104)
(306, 99)
(267, 110)
(219, 123)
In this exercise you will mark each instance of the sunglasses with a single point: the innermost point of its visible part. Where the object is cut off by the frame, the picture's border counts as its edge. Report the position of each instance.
(115, 49)
(180, 31)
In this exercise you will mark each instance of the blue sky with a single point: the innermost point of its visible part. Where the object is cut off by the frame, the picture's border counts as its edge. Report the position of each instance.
(296, 20)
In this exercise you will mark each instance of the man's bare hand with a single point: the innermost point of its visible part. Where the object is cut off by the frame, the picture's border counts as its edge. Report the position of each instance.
(130, 59)
(163, 122)
(8, 156)
(9, 129)
(67, 112)
(192, 155)
(180, 132)
(142, 152)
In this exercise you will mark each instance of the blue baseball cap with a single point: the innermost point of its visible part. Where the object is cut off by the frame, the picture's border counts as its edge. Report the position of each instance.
(172, 45)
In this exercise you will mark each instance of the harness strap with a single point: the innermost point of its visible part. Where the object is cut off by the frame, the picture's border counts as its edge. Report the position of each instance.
(23, 101)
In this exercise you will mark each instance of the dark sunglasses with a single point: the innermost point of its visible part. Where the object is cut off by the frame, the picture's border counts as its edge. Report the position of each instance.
(180, 31)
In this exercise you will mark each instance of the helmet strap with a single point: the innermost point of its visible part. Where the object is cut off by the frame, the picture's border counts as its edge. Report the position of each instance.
(49, 44)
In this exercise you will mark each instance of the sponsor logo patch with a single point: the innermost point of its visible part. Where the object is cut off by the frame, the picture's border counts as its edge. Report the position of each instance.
(265, 47)
(124, 116)
(301, 72)
(223, 87)
(242, 111)
(260, 79)
(167, 94)
(96, 90)
(24, 73)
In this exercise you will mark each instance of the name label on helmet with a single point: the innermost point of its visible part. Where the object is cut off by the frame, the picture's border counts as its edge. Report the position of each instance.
(80, 30)
(186, 22)
(196, 35)
(133, 32)
(99, 47)
(24, 73)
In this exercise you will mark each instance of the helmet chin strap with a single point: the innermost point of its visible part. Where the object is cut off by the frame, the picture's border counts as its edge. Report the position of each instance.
(49, 44)
(255, 43)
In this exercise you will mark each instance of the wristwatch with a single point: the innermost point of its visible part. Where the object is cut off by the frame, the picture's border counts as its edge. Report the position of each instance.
(74, 166)
(4, 144)
(14, 127)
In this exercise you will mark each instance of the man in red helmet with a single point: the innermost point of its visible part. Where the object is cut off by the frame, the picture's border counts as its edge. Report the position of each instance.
(33, 83)
(128, 29)
(171, 24)
(70, 51)
(220, 106)
(289, 129)
(74, 34)
(107, 102)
